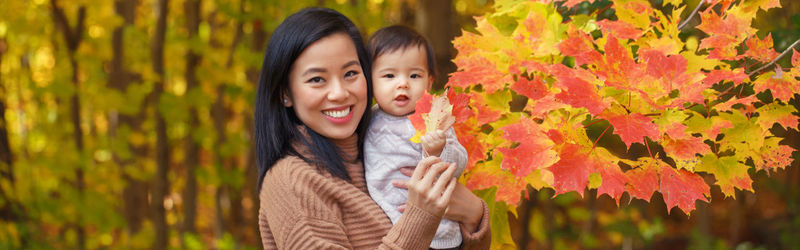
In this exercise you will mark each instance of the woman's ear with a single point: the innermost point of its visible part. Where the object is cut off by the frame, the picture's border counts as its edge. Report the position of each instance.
(287, 102)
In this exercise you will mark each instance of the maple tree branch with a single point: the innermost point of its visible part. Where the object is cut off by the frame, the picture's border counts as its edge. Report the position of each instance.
(776, 59)
(694, 12)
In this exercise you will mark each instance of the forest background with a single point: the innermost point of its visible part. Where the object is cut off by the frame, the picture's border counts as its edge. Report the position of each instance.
(128, 124)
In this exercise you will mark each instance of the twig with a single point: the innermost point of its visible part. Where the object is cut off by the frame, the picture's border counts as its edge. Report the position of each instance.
(694, 12)
(776, 59)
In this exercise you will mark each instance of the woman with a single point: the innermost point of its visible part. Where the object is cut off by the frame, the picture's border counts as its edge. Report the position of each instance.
(310, 119)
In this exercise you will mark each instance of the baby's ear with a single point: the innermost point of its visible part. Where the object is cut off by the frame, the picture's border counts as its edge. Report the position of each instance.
(430, 83)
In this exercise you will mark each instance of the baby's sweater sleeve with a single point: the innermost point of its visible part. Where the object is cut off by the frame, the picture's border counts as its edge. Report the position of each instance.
(454, 152)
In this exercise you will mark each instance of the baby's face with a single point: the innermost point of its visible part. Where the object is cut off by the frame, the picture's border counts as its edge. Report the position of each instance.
(399, 79)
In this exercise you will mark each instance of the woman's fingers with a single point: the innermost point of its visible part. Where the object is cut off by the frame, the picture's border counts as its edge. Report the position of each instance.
(445, 199)
(433, 172)
(423, 166)
(444, 179)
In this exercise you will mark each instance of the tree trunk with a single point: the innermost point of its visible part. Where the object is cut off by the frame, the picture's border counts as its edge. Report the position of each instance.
(434, 19)
(258, 44)
(192, 11)
(10, 209)
(161, 183)
(134, 195)
(72, 37)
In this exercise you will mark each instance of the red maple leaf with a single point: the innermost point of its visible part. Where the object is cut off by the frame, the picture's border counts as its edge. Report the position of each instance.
(685, 148)
(670, 69)
(759, 49)
(571, 172)
(541, 107)
(460, 103)
(485, 114)
(746, 101)
(509, 188)
(620, 29)
(633, 127)
(572, 3)
(795, 58)
(775, 158)
(423, 107)
(470, 138)
(580, 46)
(578, 93)
(533, 89)
(478, 70)
(533, 152)
(780, 87)
(682, 188)
(642, 182)
(614, 181)
(717, 75)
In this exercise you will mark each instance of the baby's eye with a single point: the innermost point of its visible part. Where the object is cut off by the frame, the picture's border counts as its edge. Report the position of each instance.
(415, 76)
(350, 74)
(388, 76)
(316, 79)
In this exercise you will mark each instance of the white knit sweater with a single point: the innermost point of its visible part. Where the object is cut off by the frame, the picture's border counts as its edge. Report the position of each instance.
(387, 148)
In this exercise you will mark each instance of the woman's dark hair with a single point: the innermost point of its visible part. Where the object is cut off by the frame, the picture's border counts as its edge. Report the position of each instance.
(395, 37)
(277, 126)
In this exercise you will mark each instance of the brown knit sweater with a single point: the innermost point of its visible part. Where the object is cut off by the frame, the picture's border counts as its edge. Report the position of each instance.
(305, 208)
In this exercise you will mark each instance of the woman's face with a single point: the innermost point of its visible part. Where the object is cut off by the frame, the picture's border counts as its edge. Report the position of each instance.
(328, 87)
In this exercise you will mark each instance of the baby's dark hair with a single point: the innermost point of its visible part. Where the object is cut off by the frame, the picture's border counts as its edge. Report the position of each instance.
(392, 38)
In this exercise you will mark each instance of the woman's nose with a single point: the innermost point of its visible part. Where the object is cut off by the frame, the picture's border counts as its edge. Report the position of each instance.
(337, 92)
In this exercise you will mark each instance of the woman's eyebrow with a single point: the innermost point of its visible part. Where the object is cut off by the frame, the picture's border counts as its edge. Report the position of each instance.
(314, 70)
(351, 63)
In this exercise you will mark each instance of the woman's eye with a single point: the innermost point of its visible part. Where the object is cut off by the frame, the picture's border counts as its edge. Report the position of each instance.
(316, 80)
(390, 76)
(350, 74)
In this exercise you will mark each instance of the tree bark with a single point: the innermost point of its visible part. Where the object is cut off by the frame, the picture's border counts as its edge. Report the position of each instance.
(73, 37)
(192, 11)
(161, 183)
(10, 209)
(434, 19)
(134, 195)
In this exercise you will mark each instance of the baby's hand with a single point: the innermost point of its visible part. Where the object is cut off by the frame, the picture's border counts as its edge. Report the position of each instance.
(433, 142)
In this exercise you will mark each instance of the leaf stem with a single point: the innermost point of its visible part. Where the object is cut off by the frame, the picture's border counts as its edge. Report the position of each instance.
(694, 12)
(776, 59)
(598, 138)
(648, 147)
(592, 123)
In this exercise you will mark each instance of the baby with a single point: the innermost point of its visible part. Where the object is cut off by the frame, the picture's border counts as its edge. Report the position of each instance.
(403, 69)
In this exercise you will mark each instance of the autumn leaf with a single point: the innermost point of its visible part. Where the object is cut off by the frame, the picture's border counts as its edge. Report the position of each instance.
(729, 172)
(533, 149)
(782, 86)
(619, 29)
(682, 188)
(431, 114)
(533, 89)
(759, 49)
(579, 45)
(633, 127)
(613, 181)
(642, 180)
(479, 70)
(571, 172)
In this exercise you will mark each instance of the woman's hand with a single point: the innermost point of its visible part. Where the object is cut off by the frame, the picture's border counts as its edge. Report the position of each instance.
(429, 192)
(464, 206)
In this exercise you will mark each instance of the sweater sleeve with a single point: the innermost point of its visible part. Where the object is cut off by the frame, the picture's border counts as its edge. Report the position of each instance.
(481, 238)
(454, 152)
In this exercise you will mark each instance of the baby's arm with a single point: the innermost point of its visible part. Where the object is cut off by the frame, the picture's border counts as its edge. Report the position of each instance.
(446, 146)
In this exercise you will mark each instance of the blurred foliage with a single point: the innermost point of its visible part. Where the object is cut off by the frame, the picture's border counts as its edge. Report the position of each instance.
(42, 206)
